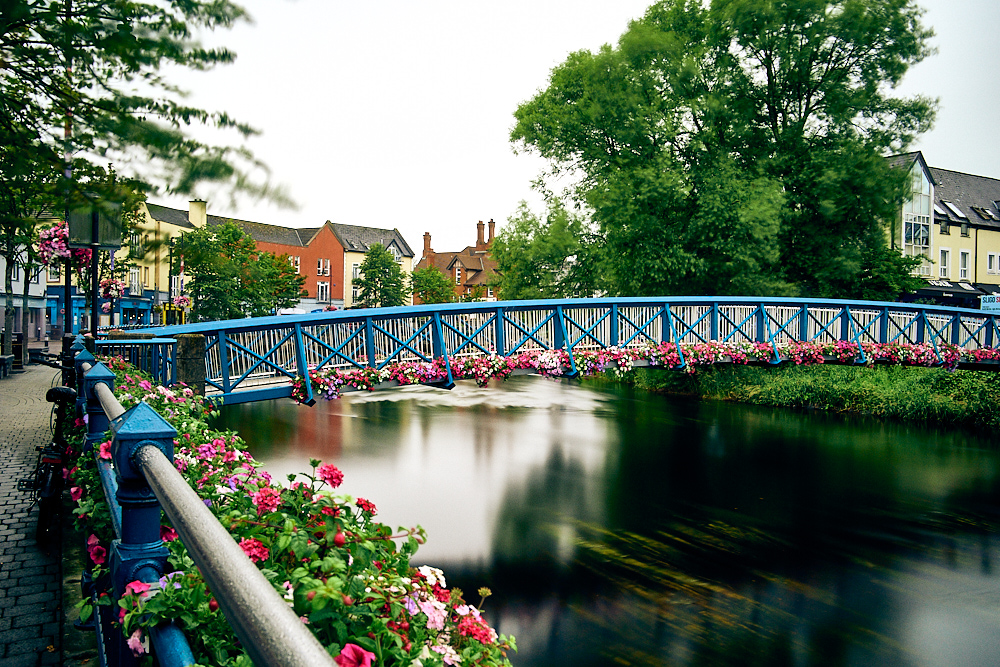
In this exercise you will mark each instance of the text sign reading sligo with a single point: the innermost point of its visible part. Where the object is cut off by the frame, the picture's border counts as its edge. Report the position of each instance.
(990, 303)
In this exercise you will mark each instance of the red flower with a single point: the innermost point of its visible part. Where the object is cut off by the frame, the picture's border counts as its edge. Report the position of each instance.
(167, 534)
(254, 549)
(367, 505)
(353, 655)
(331, 474)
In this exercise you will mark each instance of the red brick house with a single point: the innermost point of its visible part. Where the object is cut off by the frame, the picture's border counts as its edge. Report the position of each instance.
(471, 268)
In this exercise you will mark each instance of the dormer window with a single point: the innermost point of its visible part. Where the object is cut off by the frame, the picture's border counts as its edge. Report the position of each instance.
(458, 274)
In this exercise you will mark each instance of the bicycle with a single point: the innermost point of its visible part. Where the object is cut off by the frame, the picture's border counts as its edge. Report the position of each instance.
(46, 483)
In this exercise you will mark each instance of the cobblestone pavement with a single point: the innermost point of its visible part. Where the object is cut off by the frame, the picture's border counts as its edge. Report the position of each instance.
(30, 578)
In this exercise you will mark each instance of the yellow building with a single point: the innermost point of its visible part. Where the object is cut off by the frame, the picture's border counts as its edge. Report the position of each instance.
(952, 221)
(356, 241)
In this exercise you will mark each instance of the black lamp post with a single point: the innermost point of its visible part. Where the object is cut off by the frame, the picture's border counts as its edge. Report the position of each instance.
(96, 225)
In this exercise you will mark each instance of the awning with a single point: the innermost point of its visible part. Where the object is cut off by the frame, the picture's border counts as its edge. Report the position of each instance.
(988, 289)
(949, 288)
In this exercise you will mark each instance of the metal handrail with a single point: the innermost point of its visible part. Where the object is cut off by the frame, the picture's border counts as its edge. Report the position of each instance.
(267, 627)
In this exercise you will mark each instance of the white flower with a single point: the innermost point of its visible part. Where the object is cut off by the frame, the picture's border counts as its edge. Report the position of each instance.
(433, 575)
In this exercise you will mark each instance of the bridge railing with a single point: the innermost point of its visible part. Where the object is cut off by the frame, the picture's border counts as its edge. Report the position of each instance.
(156, 356)
(256, 358)
(138, 481)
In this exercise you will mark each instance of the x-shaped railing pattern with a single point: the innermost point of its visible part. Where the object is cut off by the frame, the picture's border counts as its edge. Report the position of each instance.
(273, 350)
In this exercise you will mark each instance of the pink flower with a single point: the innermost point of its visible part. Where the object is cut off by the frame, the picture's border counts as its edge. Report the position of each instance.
(105, 450)
(353, 655)
(76, 493)
(367, 505)
(266, 500)
(330, 474)
(135, 642)
(254, 549)
(136, 588)
(167, 534)
(97, 554)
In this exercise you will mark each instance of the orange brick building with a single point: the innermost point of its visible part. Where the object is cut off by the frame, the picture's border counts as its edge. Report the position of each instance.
(471, 268)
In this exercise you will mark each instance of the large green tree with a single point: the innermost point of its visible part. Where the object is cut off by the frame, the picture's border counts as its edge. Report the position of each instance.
(231, 279)
(736, 146)
(544, 258)
(382, 282)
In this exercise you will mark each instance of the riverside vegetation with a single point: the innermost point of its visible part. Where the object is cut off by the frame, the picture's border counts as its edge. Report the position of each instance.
(928, 395)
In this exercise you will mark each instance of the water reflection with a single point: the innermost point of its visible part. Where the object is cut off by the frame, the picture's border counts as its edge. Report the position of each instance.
(646, 531)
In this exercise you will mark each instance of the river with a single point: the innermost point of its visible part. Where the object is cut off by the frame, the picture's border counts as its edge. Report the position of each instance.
(618, 527)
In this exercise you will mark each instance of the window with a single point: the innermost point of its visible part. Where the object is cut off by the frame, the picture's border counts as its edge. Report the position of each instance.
(295, 262)
(917, 219)
(458, 274)
(323, 291)
(326, 267)
(963, 265)
(175, 286)
(943, 263)
(36, 277)
(319, 267)
(993, 263)
(15, 273)
(145, 276)
(965, 229)
(355, 271)
(395, 254)
(944, 227)
(135, 245)
(489, 292)
(54, 274)
(354, 294)
(134, 286)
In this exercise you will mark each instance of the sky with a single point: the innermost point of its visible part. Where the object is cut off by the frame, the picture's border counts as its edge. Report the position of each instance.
(398, 114)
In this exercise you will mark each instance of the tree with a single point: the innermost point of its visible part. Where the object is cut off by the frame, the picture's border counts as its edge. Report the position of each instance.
(382, 283)
(231, 279)
(431, 286)
(539, 259)
(736, 146)
(85, 77)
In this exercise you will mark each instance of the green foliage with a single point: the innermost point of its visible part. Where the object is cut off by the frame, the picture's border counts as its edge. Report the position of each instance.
(543, 258)
(968, 398)
(101, 64)
(431, 286)
(736, 147)
(231, 279)
(382, 283)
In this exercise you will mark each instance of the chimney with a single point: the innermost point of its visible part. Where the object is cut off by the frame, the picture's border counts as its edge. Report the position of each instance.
(492, 226)
(197, 213)
(428, 251)
(480, 244)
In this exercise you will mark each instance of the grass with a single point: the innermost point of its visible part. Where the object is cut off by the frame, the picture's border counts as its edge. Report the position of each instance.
(927, 395)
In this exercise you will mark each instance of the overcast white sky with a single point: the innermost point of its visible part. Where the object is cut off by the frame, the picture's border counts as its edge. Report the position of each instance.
(397, 114)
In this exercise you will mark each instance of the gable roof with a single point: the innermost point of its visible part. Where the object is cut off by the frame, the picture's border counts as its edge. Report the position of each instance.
(359, 239)
(171, 216)
(258, 231)
(974, 196)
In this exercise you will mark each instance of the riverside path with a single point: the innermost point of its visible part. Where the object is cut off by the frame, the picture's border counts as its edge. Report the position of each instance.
(30, 578)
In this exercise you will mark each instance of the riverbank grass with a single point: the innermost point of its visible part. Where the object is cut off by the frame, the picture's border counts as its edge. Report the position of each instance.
(929, 395)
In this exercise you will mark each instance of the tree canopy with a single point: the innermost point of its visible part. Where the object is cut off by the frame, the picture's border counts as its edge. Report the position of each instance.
(736, 146)
(544, 258)
(431, 286)
(84, 78)
(231, 279)
(382, 282)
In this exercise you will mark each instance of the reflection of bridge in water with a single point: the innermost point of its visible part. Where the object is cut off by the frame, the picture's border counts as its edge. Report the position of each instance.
(256, 359)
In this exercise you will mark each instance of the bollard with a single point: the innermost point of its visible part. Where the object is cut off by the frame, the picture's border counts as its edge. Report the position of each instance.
(140, 553)
(97, 421)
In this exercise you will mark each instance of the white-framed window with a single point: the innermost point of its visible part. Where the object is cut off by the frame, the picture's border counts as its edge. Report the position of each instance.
(964, 260)
(323, 290)
(175, 286)
(489, 292)
(16, 273)
(319, 267)
(458, 274)
(36, 277)
(54, 273)
(326, 267)
(944, 267)
(354, 294)
(993, 263)
(355, 271)
(296, 263)
(134, 286)
(917, 219)
(145, 276)
(135, 245)
(395, 254)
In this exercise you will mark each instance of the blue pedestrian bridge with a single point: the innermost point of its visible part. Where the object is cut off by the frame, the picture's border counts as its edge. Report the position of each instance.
(260, 358)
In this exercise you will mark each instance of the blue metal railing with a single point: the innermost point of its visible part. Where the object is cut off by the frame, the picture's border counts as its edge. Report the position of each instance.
(255, 359)
(156, 356)
(138, 482)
